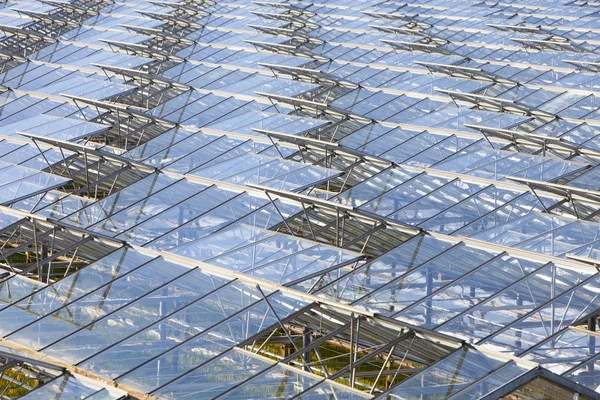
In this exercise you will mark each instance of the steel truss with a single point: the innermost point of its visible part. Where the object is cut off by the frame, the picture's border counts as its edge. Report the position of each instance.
(46, 252)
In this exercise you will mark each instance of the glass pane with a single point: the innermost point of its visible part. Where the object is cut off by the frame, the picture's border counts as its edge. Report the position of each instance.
(97, 304)
(588, 374)
(179, 327)
(135, 317)
(75, 286)
(564, 310)
(217, 376)
(463, 293)
(425, 279)
(448, 376)
(495, 380)
(512, 303)
(211, 342)
(278, 382)
(327, 390)
(565, 350)
(65, 387)
(379, 272)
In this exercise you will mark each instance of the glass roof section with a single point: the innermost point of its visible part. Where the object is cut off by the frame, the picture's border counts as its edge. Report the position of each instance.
(437, 203)
(68, 129)
(20, 182)
(75, 386)
(197, 109)
(239, 82)
(266, 171)
(565, 350)
(457, 374)
(287, 199)
(219, 307)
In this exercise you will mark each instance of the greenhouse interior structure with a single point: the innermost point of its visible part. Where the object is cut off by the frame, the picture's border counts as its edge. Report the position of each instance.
(288, 199)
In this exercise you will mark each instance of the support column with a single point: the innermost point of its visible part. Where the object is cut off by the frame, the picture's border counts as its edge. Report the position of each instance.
(44, 269)
(306, 338)
(591, 342)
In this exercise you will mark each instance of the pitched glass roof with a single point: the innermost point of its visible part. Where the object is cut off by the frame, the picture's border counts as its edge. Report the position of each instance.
(286, 199)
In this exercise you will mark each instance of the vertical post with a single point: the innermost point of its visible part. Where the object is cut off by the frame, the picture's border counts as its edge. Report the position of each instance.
(306, 338)
(180, 218)
(552, 292)
(161, 368)
(429, 289)
(351, 361)
(592, 324)
(355, 353)
(44, 268)
(591, 342)
(518, 342)
(337, 228)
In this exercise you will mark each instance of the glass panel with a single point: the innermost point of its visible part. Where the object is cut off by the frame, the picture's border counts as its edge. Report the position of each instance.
(120, 200)
(97, 304)
(30, 186)
(468, 210)
(448, 376)
(69, 289)
(519, 207)
(399, 147)
(468, 291)
(239, 235)
(436, 152)
(379, 272)
(194, 153)
(177, 328)
(15, 288)
(512, 303)
(550, 171)
(65, 387)
(404, 194)
(588, 374)
(277, 382)
(364, 135)
(177, 215)
(217, 376)
(135, 317)
(327, 390)
(177, 230)
(565, 350)
(425, 279)
(210, 343)
(435, 202)
(562, 240)
(299, 179)
(373, 187)
(495, 380)
(549, 319)
(55, 127)
(167, 140)
(147, 208)
(303, 265)
(521, 229)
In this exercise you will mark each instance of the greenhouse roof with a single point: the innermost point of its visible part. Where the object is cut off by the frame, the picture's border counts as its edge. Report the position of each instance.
(305, 200)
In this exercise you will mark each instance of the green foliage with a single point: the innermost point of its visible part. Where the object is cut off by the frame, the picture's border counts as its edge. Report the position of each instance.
(11, 384)
(335, 357)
